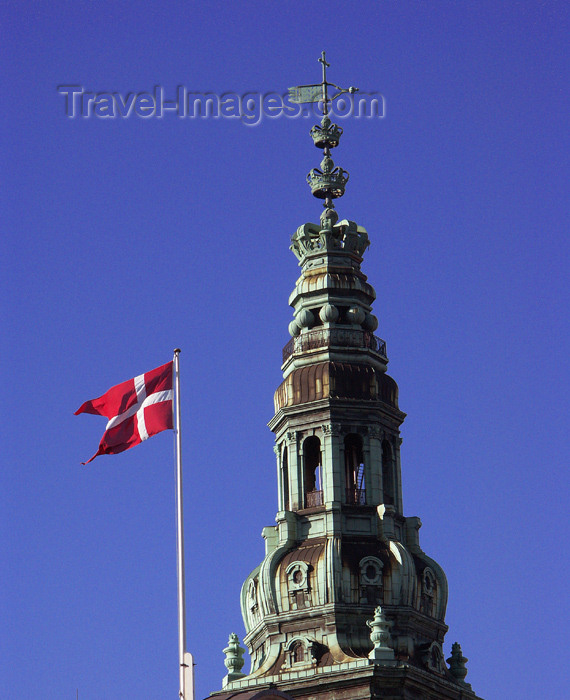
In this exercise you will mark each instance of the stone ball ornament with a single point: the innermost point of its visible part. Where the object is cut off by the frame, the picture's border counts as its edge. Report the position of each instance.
(294, 328)
(305, 319)
(370, 322)
(355, 315)
(329, 313)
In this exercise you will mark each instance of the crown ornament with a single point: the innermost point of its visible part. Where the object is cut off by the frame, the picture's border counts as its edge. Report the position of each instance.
(327, 134)
(328, 183)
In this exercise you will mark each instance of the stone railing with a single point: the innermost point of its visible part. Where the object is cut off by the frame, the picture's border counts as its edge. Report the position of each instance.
(318, 338)
(313, 499)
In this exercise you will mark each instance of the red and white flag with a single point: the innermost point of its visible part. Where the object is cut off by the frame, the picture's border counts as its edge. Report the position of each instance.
(136, 409)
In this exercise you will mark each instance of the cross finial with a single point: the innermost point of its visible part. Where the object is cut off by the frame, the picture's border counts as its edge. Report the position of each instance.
(322, 60)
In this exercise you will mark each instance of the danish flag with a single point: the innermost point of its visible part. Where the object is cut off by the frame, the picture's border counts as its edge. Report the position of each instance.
(137, 409)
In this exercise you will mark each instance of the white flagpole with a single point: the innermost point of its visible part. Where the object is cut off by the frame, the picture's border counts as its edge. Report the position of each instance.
(186, 675)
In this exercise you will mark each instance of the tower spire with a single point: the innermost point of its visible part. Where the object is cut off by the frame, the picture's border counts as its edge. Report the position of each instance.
(342, 556)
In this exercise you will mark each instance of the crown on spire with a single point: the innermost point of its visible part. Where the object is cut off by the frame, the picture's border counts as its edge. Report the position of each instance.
(329, 182)
(327, 134)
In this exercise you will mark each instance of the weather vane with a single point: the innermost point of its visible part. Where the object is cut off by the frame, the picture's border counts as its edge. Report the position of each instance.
(329, 182)
(318, 93)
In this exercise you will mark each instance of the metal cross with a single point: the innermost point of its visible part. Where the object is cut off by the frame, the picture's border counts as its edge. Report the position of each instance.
(302, 94)
(325, 65)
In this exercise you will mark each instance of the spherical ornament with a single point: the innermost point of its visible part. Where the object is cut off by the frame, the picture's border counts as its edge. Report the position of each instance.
(355, 315)
(305, 319)
(329, 313)
(370, 322)
(294, 328)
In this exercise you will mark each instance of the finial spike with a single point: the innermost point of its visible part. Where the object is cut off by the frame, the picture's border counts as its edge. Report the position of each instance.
(380, 636)
(457, 665)
(325, 65)
(233, 661)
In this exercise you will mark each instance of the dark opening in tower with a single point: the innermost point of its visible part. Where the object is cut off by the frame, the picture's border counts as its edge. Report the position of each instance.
(285, 479)
(388, 473)
(355, 492)
(312, 472)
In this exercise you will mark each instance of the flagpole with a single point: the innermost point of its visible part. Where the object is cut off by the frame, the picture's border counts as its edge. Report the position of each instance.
(180, 539)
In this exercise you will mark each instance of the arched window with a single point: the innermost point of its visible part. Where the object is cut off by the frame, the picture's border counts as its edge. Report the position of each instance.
(428, 592)
(312, 472)
(285, 478)
(354, 470)
(388, 473)
(371, 580)
(297, 653)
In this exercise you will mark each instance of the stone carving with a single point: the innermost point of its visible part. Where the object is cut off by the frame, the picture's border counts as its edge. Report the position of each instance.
(380, 638)
(375, 432)
(457, 665)
(345, 235)
(298, 584)
(371, 571)
(370, 580)
(252, 601)
(433, 658)
(233, 661)
(428, 590)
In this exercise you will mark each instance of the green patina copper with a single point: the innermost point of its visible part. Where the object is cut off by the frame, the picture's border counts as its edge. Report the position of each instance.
(234, 659)
(457, 664)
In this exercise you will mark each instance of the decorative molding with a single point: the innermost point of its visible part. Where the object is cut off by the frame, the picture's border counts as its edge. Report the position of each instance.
(371, 581)
(433, 658)
(371, 571)
(298, 576)
(332, 429)
(428, 592)
(298, 653)
(375, 432)
(291, 436)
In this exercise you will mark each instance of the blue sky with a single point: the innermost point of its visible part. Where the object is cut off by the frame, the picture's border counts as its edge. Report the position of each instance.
(124, 238)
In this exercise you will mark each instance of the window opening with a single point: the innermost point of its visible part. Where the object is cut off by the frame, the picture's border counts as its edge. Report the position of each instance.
(285, 475)
(298, 653)
(312, 472)
(388, 473)
(354, 470)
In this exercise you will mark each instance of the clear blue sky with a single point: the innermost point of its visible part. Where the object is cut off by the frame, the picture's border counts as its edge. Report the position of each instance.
(124, 238)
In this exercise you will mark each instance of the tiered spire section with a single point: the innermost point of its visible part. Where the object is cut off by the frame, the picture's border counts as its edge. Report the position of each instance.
(332, 301)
